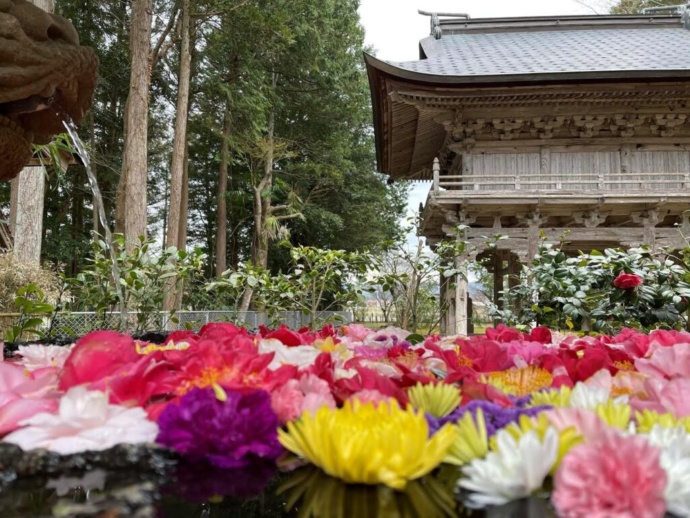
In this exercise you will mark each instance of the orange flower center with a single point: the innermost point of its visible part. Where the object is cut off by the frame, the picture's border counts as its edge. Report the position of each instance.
(463, 360)
(624, 366)
(521, 382)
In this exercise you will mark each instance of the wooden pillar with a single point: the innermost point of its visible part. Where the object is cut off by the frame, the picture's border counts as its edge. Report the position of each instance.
(461, 296)
(499, 274)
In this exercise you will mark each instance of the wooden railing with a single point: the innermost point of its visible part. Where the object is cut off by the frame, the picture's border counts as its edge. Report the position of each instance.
(656, 182)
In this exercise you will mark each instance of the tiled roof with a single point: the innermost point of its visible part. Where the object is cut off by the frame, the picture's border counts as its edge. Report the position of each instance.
(475, 54)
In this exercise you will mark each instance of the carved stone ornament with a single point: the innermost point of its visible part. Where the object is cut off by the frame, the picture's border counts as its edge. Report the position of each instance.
(44, 75)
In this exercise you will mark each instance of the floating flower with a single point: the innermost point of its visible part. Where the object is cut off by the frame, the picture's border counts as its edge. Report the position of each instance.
(666, 361)
(37, 356)
(627, 281)
(227, 434)
(648, 419)
(97, 355)
(568, 437)
(24, 394)
(616, 415)
(307, 394)
(85, 421)
(471, 441)
(365, 444)
(437, 399)
(614, 476)
(516, 469)
(675, 459)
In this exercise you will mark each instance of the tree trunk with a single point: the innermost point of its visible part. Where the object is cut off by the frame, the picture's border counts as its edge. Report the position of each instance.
(28, 226)
(131, 195)
(262, 207)
(184, 210)
(178, 154)
(262, 199)
(27, 199)
(222, 226)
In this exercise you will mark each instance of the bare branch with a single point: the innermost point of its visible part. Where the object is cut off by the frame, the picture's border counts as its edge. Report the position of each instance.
(162, 46)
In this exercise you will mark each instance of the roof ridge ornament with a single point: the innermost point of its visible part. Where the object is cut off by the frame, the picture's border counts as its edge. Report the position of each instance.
(436, 30)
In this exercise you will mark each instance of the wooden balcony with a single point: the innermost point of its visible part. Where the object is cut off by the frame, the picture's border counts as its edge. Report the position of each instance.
(633, 185)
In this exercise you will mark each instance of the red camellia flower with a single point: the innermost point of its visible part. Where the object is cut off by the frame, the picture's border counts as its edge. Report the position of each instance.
(627, 281)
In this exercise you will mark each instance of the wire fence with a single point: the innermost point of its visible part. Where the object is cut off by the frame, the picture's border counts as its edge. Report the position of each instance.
(65, 325)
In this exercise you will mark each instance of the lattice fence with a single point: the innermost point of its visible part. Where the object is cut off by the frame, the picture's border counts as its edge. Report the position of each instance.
(78, 324)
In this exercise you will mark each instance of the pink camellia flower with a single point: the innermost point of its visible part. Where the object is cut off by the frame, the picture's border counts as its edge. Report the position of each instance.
(295, 397)
(615, 475)
(97, 355)
(585, 422)
(370, 396)
(666, 361)
(665, 396)
(24, 394)
(627, 281)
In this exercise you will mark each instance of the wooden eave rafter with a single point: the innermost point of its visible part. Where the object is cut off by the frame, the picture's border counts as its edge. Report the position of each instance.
(436, 97)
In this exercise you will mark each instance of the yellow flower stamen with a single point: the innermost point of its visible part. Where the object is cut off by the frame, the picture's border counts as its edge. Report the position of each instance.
(221, 395)
(520, 382)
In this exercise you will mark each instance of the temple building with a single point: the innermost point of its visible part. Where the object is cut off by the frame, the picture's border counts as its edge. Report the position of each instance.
(531, 127)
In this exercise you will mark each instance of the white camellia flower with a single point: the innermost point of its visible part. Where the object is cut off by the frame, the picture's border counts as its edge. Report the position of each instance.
(675, 459)
(85, 421)
(36, 356)
(515, 470)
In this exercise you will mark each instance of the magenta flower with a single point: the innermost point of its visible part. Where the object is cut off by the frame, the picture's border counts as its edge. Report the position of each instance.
(227, 434)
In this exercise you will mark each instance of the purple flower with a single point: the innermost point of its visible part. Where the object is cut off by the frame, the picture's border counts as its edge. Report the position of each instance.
(495, 416)
(227, 434)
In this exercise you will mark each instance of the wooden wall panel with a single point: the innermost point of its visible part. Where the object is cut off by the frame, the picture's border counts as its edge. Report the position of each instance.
(492, 167)
(583, 170)
(648, 167)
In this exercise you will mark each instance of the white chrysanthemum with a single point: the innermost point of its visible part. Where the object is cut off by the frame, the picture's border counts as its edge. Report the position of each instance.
(675, 459)
(85, 421)
(36, 356)
(515, 470)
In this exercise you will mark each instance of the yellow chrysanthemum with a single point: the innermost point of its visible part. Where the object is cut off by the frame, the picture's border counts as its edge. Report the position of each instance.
(648, 418)
(567, 439)
(366, 444)
(437, 399)
(520, 381)
(613, 414)
(471, 441)
(555, 397)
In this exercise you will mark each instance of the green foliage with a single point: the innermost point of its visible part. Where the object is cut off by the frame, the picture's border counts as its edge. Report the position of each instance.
(144, 278)
(636, 6)
(31, 301)
(318, 280)
(578, 292)
(407, 282)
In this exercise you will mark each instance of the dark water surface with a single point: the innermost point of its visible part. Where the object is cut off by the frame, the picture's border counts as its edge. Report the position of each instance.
(198, 491)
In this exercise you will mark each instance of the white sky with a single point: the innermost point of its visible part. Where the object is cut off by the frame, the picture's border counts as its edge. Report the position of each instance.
(394, 29)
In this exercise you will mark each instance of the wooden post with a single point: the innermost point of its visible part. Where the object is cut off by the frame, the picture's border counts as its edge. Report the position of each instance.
(461, 295)
(437, 175)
